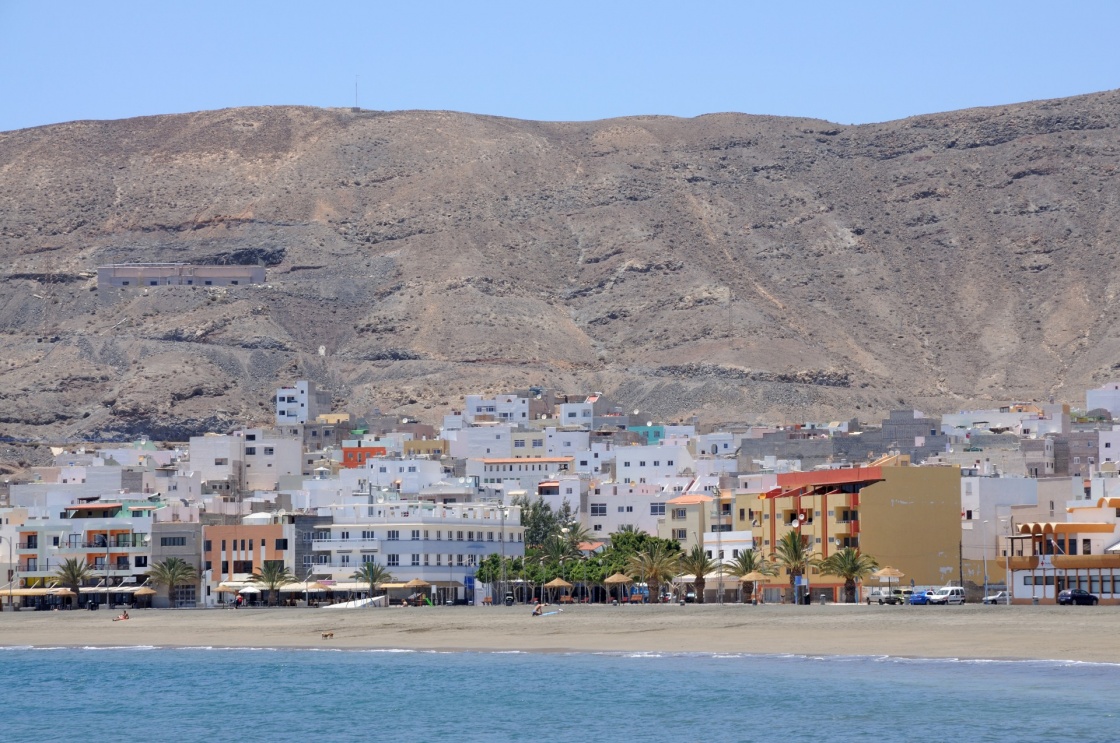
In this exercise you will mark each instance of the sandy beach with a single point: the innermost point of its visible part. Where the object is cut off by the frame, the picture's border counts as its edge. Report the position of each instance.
(971, 631)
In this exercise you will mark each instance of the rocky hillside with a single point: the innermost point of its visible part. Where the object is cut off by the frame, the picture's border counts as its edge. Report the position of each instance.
(738, 267)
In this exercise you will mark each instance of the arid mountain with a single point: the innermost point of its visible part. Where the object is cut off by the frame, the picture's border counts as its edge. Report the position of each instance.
(737, 267)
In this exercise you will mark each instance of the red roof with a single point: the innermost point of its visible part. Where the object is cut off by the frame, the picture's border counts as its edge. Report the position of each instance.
(850, 475)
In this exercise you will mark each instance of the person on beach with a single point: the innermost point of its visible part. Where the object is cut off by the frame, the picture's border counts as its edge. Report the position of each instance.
(121, 617)
(538, 610)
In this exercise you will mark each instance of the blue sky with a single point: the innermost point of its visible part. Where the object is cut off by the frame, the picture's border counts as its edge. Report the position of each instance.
(849, 62)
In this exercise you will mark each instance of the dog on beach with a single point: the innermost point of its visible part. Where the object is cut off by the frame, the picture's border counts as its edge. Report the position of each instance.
(328, 635)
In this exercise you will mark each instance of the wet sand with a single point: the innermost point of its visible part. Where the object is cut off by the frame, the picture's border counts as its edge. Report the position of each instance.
(971, 631)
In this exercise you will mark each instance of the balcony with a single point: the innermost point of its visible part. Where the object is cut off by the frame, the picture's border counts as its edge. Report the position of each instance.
(335, 544)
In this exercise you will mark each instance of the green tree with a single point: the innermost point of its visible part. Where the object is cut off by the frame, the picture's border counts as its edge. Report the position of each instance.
(72, 573)
(172, 572)
(655, 566)
(372, 574)
(793, 555)
(750, 561)
(537, 519)
(697, 562)
(273, 574)
(850, 565)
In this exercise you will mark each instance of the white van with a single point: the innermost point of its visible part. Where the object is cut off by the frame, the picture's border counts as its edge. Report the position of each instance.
(948, 595)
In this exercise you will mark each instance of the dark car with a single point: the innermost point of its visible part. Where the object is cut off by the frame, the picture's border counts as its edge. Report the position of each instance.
(1077, 596)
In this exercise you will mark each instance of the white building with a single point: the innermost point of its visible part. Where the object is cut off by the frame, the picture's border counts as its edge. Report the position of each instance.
(477, 442)
(437, 543)
(517, 474)
(502, 408)
(301, 403)
(651, 464)
(1107, 397)
(575, 414)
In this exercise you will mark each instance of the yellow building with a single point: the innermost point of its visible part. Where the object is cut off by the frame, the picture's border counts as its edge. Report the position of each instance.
(428, 447)
(903, 516)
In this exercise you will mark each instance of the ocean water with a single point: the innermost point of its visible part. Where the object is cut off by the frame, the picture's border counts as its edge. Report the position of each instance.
(246, 695)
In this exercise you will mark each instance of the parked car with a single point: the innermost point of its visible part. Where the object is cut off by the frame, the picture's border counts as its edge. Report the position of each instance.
(920, 598)
(947, 595)
(1000, 597)
(1078, 596)
(883, 597)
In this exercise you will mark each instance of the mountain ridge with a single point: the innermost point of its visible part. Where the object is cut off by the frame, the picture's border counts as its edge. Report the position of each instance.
(734, 266)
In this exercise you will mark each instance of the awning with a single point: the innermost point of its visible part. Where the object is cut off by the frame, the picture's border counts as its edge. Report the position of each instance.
(300, 587)
(1065, 527)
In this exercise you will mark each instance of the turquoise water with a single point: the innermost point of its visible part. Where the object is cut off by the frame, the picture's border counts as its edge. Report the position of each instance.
(297, 695)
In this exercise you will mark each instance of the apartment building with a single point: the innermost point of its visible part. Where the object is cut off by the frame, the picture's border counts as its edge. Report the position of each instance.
(438, 543)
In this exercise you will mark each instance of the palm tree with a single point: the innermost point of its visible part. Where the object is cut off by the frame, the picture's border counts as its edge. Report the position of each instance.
(72, 574)
(655, 566)
(372, 573)
(792, 554)
(850, 565)
(272, 575)
(697, 562)
(749, 562)
(172, 572)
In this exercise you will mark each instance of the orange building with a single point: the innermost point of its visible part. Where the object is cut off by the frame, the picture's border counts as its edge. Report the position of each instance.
(232, 553)
(356, 456)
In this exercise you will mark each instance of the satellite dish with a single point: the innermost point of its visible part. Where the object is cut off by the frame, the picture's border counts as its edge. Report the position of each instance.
(322, 350)
(381, 499)
(649, 423)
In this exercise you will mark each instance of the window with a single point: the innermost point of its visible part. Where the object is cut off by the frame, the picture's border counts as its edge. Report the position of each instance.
(141, 561)
(629, 509)
(393, 560)
(206, 546)
(416, 560)
(519, 444)
(281, 544)
(242, 566)
(459, 536)
(394, 535)
(415, 535)
(221, 462)
(369, 558)
(598, 509)
(680, 533)
(656, 509)
(620, 509)
(679, 514)
(269, 451)
(223, 545)
(225, 566)
(669, 463)
(641, 464)
(597, 527)
(250, 451)
(489, 536)
(538, 443)
(625, 464)
(172, 541)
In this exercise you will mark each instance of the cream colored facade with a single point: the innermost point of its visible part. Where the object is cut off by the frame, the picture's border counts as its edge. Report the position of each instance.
(903, 516)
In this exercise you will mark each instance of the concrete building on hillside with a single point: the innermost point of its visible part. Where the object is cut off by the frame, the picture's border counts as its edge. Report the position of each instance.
(1106, 397)
(133, 275)
(301, 403)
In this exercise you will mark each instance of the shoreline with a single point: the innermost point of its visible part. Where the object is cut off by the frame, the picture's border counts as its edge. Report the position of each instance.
(964, 633)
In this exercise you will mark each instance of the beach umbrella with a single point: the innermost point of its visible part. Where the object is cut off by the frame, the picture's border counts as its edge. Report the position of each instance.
(618, 579)
(247, 590)
(417, 583)
(753, 577)
(558, 583)
(888, 574)
(144, 591)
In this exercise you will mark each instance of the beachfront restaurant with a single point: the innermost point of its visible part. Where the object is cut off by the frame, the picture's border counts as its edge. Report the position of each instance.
(1047, 558)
